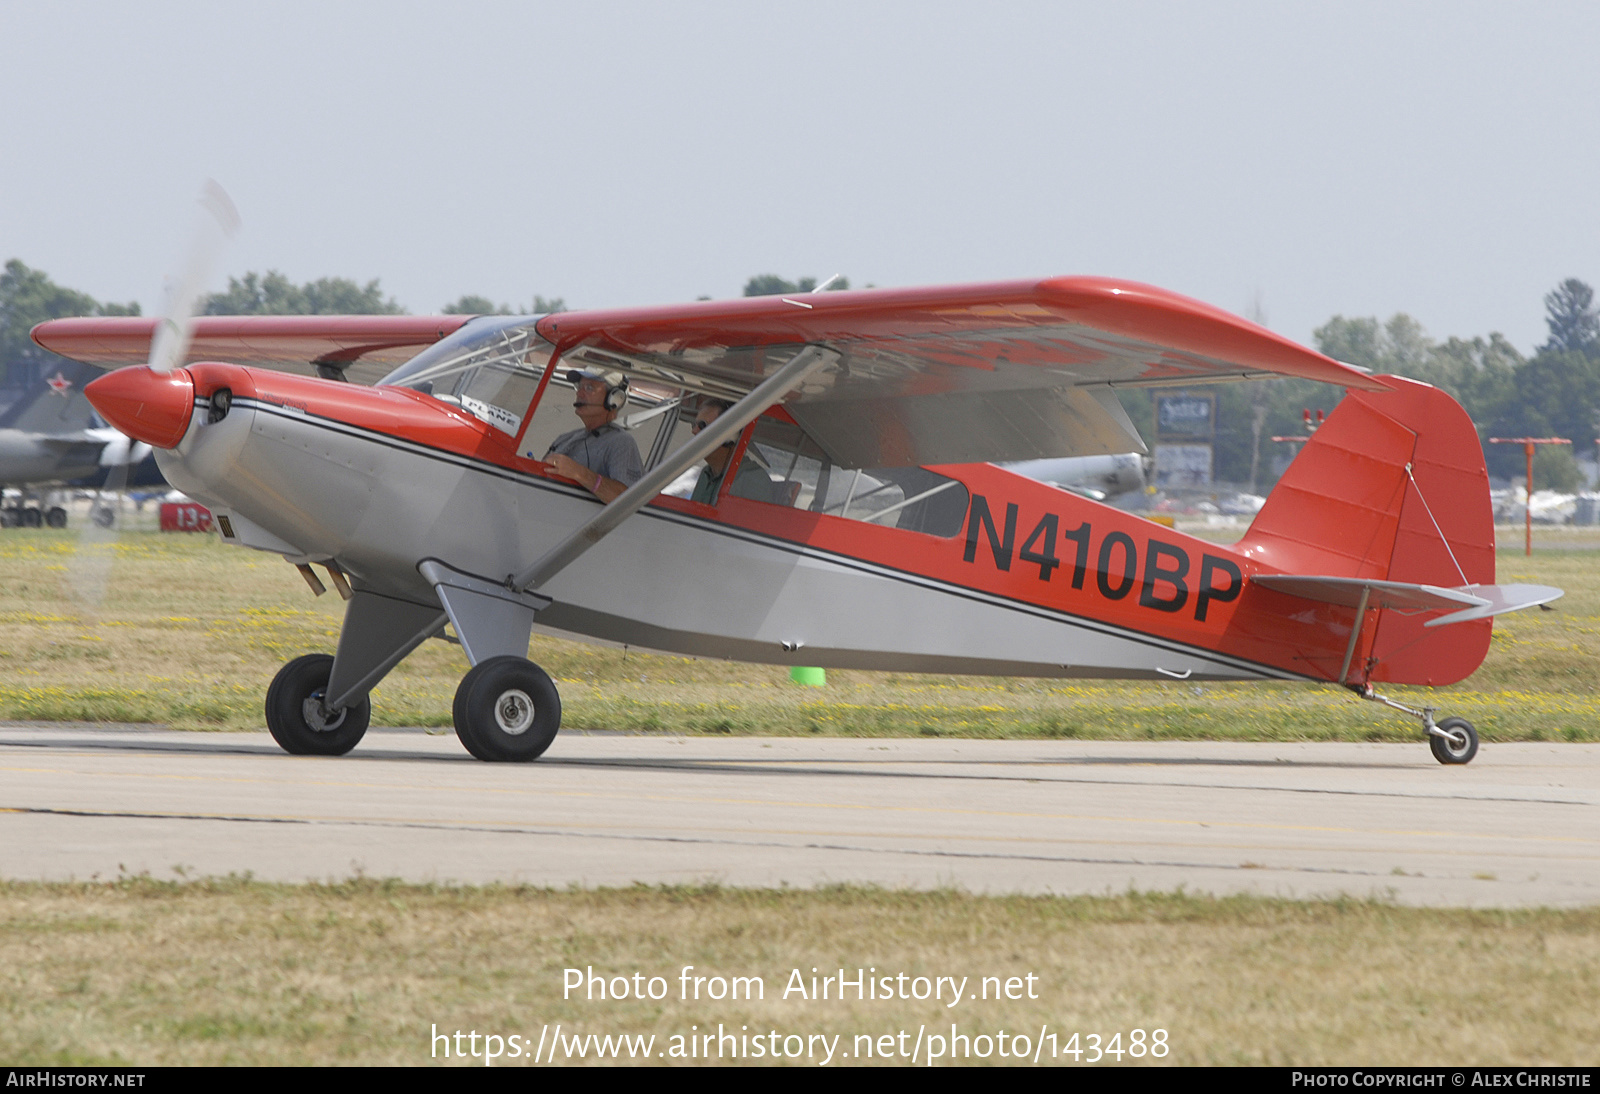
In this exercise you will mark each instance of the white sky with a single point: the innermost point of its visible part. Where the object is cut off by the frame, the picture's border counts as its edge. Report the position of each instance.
(1352, 158)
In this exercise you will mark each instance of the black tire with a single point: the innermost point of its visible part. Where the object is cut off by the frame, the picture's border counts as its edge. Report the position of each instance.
(507, 710)
(1447, 752)
(56, 517)
(32, 518)
(292, 704)
(103, 515)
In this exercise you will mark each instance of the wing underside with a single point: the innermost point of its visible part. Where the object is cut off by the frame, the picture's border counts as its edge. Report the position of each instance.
(1012, 371)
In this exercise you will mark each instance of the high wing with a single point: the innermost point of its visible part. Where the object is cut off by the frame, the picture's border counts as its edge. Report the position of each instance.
(1010, 371)
(360, 348)
(965, 374)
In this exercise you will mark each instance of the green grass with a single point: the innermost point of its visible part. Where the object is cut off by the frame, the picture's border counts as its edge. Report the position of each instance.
(191, 632)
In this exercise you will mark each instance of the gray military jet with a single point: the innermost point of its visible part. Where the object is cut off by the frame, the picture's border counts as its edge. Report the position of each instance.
(50, 437)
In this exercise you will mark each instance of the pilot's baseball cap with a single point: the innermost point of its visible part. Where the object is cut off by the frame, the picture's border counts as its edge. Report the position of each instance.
(610, 379)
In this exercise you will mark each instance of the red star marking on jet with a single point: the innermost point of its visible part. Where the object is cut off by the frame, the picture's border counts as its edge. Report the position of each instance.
(59, 384)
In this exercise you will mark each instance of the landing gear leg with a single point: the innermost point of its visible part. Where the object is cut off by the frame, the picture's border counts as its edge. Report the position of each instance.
(1452, 741)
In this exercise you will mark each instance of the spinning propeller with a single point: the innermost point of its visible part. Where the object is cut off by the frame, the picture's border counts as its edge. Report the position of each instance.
(217, 222)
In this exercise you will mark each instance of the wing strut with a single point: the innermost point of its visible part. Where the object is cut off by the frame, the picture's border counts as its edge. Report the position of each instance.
(725, 428)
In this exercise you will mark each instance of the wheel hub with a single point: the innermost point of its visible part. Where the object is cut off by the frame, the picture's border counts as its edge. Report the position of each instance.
(318, 717)
(513, 712)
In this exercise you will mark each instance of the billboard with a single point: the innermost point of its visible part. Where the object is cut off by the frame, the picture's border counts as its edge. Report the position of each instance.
(1185, 426)
(1185, 418)
(1182, 465)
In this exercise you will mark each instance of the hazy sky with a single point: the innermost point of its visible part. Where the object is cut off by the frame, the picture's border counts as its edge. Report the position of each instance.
(1351, 158)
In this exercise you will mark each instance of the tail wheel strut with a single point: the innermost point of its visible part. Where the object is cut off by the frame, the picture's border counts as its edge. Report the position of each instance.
(1452, 741)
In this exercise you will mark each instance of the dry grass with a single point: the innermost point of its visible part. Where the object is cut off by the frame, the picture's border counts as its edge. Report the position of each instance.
(191, 632)
(142, 972)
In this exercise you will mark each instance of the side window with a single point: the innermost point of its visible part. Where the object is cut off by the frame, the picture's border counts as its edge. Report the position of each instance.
(802, 477)
(796, 467)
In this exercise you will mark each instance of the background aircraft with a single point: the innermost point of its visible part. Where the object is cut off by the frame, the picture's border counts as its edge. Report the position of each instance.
(50, 436)
(1097, 477)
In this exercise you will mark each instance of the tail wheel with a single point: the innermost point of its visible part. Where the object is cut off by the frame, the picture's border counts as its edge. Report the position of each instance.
(299, 721)
(1458, 746)
(507, 709)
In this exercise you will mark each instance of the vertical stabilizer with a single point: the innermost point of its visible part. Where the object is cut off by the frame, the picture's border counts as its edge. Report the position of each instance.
(1391, 487)
(54, 403)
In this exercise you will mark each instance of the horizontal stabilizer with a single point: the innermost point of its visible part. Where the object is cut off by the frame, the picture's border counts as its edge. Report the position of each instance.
(1468, 601)
(1499, 599)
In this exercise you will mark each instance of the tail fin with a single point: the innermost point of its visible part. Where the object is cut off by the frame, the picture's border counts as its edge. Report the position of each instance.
(54, 403)
(1392, 487)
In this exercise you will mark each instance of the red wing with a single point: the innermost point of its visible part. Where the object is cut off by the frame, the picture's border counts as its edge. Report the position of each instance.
(1010, 371)
(1102, 329)
(296, 342)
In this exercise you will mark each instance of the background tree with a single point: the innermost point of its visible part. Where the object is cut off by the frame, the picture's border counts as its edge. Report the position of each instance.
(1554, 467)
(773, 285)
(1556, 393)
(275, 294)
(476, 305)
(27, 298)
(482, 305)
(1570, 315)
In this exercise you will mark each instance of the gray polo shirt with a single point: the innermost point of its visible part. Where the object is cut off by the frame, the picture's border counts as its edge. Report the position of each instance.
(610, 450)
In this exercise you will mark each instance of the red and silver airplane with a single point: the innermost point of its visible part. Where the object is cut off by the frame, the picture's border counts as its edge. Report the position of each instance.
(883, 539)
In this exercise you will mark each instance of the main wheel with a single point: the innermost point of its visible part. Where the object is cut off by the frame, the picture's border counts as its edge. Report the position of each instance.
(56, 517)
(32, 518)
(1458, 751)
(507, 709)
(297, 719)
(103, 516)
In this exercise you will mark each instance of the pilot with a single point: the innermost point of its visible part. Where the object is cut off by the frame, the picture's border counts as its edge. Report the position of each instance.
(749, 482)
(602, 456)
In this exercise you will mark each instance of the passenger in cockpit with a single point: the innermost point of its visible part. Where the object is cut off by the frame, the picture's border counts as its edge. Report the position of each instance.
(749, 482)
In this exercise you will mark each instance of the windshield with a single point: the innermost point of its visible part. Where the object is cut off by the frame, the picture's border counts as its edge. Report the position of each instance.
(490, 368)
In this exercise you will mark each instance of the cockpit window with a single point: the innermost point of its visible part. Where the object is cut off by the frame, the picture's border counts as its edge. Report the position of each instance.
(490, 368)
(802, 477)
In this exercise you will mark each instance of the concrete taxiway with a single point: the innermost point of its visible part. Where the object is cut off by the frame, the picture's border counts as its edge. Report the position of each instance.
(1518, 826)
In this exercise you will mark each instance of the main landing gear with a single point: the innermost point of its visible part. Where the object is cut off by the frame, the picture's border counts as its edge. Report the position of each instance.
(1453, 741)
(507, 708)
(298, 717)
